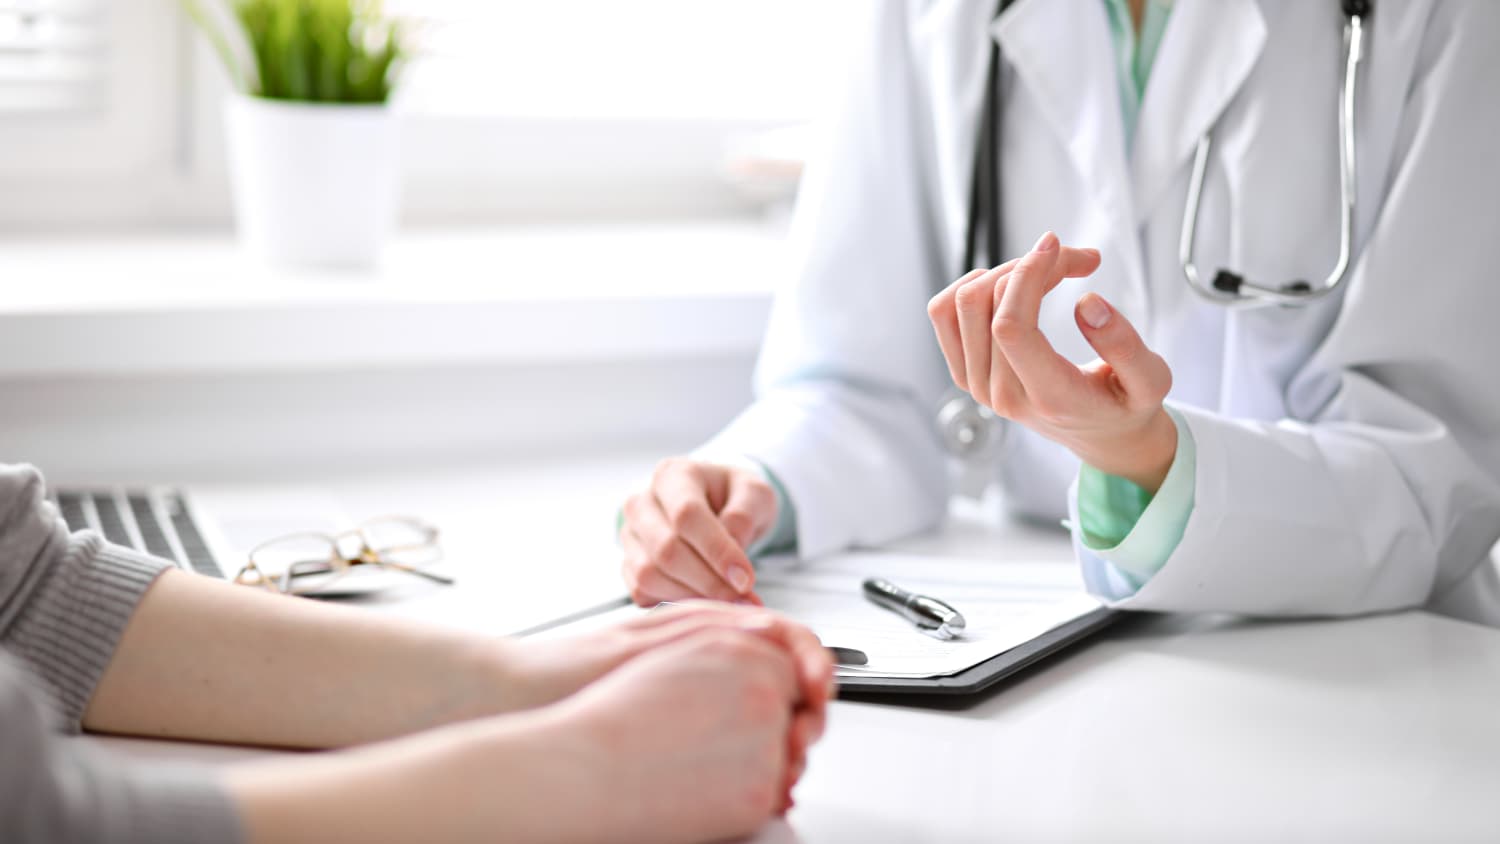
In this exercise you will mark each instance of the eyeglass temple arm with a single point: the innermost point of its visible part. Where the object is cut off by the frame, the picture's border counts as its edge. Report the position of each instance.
(314, 567)
(433, 576)
(419, 572)
(1228, 286)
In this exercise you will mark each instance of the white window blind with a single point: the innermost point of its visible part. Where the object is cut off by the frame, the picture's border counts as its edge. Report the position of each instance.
(52, 56)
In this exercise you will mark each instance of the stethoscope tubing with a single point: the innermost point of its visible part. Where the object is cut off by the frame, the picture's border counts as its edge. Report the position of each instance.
(969, 432)
(1247, 293)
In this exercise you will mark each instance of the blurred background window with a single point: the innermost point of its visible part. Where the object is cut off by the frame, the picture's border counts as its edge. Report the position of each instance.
(91, 95)
(111, 111)
(51, 56)
(539, 141)
(600, 108)
(729, 60)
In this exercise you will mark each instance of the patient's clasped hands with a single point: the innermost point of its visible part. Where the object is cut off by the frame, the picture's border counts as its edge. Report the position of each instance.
(693, 695)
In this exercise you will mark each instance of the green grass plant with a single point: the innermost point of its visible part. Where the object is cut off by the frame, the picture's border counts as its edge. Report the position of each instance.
(327, 51)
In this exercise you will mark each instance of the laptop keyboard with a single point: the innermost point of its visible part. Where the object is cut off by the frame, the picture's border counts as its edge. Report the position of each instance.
(155, 522)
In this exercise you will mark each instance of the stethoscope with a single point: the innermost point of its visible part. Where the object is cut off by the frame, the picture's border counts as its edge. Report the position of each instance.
(971, 431)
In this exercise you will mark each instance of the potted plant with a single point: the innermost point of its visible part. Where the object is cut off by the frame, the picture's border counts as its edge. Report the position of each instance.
(313, 148)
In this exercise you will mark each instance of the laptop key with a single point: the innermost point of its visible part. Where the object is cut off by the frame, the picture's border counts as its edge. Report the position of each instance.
(199, 556)
(110, 520)
(71, 506)
(151, 529)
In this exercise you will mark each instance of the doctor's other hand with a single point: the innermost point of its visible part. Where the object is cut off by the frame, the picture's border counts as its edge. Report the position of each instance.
(1108, 412)
(685, 535)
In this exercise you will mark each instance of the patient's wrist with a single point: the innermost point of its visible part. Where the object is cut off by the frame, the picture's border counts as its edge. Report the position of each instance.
(489, 677)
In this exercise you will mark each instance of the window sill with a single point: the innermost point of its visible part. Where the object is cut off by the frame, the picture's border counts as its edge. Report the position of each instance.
(194, 303)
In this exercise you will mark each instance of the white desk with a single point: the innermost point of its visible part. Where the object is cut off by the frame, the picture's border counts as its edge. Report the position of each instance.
(1376, 729)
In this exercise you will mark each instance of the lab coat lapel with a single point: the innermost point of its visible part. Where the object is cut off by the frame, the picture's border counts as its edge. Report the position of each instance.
(1205, 56)
(1061, 50)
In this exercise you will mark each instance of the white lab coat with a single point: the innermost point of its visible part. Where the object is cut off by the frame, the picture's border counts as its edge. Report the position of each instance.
(1348, 453)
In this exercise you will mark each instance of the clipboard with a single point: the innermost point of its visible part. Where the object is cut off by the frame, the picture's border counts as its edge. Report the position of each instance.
(1026, 613)
(986, 674)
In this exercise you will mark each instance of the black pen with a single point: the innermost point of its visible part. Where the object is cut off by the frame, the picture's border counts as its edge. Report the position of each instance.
(848, 656)
(929, 614)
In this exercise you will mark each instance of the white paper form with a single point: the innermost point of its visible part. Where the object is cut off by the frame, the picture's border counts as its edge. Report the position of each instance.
(1005, 605)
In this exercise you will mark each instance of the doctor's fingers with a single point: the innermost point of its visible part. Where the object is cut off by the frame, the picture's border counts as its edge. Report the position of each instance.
(749, 508)
(947, 293)
(974, 303)
(1076, 262)
(682, 489)
(942, 309)
(1050, 380)
(647, 584)
(1007, 395)
(1143, 374)
(667, 567)
(1035, 275)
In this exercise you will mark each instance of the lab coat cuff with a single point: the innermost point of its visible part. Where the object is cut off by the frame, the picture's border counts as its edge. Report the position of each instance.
(1138, 538)
(1187, 577)
(1102, 578)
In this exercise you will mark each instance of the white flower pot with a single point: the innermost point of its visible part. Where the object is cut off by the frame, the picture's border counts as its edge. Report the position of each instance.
(314, 184)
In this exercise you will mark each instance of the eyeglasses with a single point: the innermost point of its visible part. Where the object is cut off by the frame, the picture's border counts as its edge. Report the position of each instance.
(321, 563)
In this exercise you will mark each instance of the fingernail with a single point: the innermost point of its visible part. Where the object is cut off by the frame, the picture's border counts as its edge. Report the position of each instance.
(1046, 243)
(739, 578)
(1094, 309)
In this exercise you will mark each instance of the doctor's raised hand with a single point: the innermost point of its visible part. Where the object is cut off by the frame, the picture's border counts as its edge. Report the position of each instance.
(1108, 412)
(686, 535)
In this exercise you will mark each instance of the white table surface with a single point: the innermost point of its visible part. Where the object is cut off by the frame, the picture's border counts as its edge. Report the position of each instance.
(1383, 728)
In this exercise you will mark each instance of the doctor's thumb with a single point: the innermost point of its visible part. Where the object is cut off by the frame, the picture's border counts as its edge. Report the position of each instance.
(1140, 370)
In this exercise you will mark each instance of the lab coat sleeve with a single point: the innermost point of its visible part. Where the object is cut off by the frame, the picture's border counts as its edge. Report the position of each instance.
(1386, 493)
(1129, 529)
(850, 375)
(782, 536)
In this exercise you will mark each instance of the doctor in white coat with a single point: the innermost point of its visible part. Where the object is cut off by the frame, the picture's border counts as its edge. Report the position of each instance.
(1334, 458)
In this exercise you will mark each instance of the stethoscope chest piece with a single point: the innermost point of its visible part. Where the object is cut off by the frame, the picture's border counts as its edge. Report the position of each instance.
(974, 435)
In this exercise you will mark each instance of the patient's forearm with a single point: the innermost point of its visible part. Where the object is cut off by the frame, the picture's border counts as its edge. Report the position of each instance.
(512, 778)
(204, 659)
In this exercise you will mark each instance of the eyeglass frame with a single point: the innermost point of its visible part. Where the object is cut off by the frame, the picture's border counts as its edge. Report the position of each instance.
(338, 564)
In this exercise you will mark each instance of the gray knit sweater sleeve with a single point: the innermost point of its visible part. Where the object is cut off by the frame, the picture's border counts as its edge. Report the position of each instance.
(64, 602)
